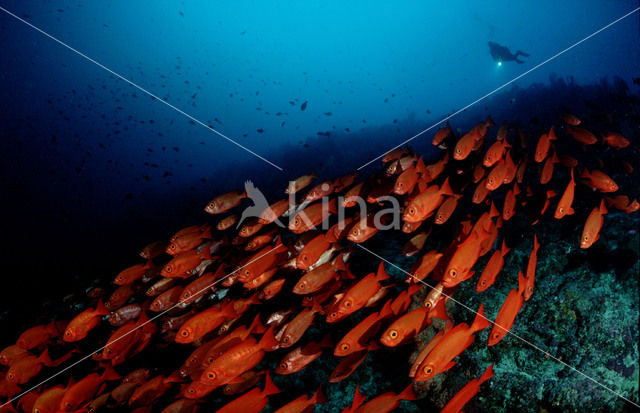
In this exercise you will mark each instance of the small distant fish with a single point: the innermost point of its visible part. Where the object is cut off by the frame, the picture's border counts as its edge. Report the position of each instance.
(304, 105)
(260, 130)
(328, 113)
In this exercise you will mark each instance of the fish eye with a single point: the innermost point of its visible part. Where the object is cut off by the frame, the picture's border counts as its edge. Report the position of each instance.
(347, 303)
(247, 272)
(211, 375)
(483, 282)
(172, 246)
(333, 315)
(10, 376)
(393, 334)
(68, 405)
(304, 257)
(428, 369)
(457, 150)
(412, 211)
(453, 273)
(427, 304)
(187, 294)
(184, 333)
(301, 286)
(168, 268)
(285, 339)
(36, 410)
(191, 391)
(345, 346)
(283, 366)
(496, 335)
(296, 221)
(439, 216)
(561, 210)
(586, 238)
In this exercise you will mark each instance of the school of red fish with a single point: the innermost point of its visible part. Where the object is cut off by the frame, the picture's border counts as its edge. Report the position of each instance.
(206, 288)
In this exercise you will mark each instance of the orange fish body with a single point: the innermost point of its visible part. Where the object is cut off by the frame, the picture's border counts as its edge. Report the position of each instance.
(415, 244)
(406, 327)
(227, 222)
(570, 119)
(300, 183)
(509, 207)
(496, 176)
(616, 140)
(358, 338)
(547, 170)
(295, 329)
(357, 296)
(253, 401)
(311, 216)
(446, 209)
(225, 202)
(623, 203)
(450, 346)
(302, 356)
(599, 180)
(38, 335)
(394, 154)
(314, 280)
(593, 225)
(181, 266)
(312, 252)
(508, 312)
(188, 241)
(318, 191)
(434, 170)
(79, 327)
(481, 192)
(49, 400)
(531, 269)
(564, 205)
(441, 135)
(544, 143)
(275, 211)
(465, 257)
(303, 403)
(582, 135)
(237, 360)
(85, 390)
(129, 275)
(364, 229)
(261, 261)
(387, 402)
(204, 322)
(465, 394)
(465, 145)
(423, 205)
(495, 153)
(406, 181)
(492, 269)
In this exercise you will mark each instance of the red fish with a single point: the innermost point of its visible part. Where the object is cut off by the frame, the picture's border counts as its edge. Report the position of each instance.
(129, 275)
(203, 322)
(406, 181)
(531, 268)
(599, 180)
(357, 296)
(496, 176)
(441, 135)
(311, 216)
(253, 401)
(582, 135)
(425, 204)
(86, 389)
(509, 207)
(508, 312)
(299, 183)
(274, 211)
(359, 337)
(387, 402)
(183, 265)
(84, 322)
(450, 346)
(227, 222)
(38, 335)
(616, 140)
(570, 119)
(492, 269)
(495, 153)
(225, 202)
(316, 279)
(295, 329)
(347, 366)
(547, 170)
(27, 367)
(591, 230)
(415, 244)
(465, 394)
(312, 252)
(446, 209)
(624, 203)
(364, 229)
(189, 241)
(465, 257)
(544, 143)
(303, 403)
(566, 200)
(302, 356)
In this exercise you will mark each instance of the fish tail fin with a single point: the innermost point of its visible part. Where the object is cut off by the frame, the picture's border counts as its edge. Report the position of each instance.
(407, 393)
(268, 340)
(318, 396)
(584, 174)
(445, 189)
(326, 341)
(522, 283)
(339, 263)
(521, 53)
(256, 326)
(269, 386)
(46, 359)
(603, 208)
(490, 121)
(332, 207)
(480, 322)
(206, 233)
(516, 189)
(504, 249)
(552, 134)
(101, 309)
(572, 179)
(536, 244)
(488, 373)
(439, 311)
(386, 310)
(493, 211)
(382, 274)
(110, 374)
(505, 143)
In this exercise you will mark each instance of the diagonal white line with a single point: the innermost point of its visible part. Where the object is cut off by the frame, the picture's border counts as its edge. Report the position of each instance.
(503, 86)
(506, 329)
(140, 88)
(140, 326)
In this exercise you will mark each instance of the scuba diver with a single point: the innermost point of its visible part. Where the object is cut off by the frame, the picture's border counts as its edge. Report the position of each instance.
(503, 54)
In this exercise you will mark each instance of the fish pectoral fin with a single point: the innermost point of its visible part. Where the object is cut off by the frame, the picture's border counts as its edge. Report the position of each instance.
(448, 366)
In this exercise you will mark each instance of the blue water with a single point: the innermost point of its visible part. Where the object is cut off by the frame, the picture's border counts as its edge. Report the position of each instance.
(94, 169)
